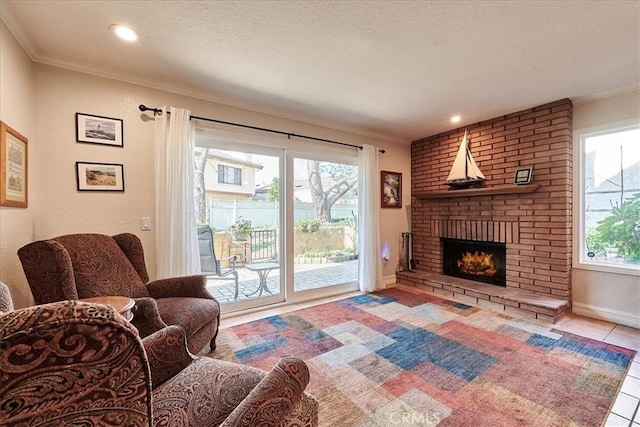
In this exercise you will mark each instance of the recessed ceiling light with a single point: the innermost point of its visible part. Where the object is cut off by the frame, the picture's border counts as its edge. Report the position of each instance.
(455, 119)
(125, 33)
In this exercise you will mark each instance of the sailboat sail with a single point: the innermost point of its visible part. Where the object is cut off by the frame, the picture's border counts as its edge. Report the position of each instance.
(465, 170)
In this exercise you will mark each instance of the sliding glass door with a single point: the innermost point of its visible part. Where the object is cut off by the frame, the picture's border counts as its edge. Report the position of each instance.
(325, 224)
(283, 223)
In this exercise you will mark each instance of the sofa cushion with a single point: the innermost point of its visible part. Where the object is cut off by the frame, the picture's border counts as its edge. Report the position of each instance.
(101, 268)
(192, 314)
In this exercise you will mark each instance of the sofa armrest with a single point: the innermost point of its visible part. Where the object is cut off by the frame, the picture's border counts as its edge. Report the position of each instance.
(274, 398)
(72, 363)
(167, 353)
(185, 286)
(146, 317)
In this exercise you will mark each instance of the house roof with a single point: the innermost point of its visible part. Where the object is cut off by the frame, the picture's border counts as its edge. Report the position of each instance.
(394, 70)
(226, 157)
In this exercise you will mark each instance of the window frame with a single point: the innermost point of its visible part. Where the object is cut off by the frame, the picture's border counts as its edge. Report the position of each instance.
(579, 158)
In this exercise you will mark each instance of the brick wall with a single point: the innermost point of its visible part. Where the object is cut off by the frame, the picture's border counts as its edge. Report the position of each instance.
(536, 226)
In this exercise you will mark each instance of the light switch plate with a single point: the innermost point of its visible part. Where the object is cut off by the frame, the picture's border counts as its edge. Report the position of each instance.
(146, 223)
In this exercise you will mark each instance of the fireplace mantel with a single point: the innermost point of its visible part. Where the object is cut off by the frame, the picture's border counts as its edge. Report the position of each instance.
(483, 191)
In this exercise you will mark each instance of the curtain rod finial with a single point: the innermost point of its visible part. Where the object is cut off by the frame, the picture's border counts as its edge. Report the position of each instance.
(144, 108)
(156, 111)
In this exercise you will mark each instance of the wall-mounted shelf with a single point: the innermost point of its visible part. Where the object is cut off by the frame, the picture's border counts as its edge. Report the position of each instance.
(483, 191)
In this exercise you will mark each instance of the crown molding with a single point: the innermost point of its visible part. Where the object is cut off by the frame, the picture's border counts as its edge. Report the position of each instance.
(579, 100)
(8, 17)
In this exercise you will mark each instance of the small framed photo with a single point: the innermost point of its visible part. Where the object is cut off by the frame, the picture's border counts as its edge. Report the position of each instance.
(523, 176)
(99, 176)
(391, 189)
(13, 168)
(92, 129)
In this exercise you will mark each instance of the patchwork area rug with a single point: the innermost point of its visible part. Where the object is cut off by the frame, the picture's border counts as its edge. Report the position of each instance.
(397, 357)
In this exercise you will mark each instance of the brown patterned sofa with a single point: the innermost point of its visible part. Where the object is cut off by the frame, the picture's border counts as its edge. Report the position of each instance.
(79, 266)
(75, 363)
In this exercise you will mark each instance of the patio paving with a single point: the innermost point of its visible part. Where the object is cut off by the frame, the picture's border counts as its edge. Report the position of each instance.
(307, 276)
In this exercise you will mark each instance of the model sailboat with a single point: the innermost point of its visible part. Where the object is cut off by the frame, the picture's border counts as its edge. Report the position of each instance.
(464, 171)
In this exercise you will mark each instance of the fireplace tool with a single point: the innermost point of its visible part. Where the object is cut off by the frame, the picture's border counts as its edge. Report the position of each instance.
(408, 263)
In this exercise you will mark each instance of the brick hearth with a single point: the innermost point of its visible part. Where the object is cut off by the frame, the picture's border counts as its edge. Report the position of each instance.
(535, 223)
(512, 301)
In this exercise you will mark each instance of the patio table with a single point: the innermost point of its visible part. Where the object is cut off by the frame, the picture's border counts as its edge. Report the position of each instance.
(263, 269)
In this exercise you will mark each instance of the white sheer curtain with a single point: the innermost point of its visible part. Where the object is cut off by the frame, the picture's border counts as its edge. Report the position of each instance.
(176, 233)
(370, 268)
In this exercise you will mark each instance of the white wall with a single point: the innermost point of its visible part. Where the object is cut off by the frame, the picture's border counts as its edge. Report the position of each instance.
(598, 294)
(17, 111)
(60, 209)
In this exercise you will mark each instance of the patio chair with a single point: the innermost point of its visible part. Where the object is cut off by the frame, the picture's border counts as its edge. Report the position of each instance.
(209, 264)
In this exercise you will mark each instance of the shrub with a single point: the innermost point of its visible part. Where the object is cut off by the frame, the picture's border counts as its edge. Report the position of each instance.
(241, 228)
(307, 225)
(621, 229)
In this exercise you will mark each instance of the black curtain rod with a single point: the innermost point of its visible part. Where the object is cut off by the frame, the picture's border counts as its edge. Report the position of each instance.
(158, 111)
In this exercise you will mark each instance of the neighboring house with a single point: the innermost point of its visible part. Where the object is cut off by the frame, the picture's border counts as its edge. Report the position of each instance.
(228, 177)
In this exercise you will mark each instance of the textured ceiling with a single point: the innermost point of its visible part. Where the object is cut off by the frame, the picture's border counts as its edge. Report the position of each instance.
(396, 70)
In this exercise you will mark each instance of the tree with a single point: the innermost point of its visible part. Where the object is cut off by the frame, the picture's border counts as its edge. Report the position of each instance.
(200, 194)
(273, 192)
(345, 178)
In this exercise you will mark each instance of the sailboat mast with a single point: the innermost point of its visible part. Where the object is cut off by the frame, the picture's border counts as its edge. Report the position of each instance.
(467, 154)
(466, 166)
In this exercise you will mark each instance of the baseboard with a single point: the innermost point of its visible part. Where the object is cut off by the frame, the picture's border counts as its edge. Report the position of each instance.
(606, 314)
(388, 280)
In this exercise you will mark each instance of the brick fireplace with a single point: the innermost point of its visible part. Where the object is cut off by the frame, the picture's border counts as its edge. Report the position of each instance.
(533, 221)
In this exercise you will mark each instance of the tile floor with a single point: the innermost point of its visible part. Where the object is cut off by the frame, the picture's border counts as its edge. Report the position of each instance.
(625, 411)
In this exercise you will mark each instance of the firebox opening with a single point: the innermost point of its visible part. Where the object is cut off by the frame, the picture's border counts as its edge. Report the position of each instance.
(480, 261)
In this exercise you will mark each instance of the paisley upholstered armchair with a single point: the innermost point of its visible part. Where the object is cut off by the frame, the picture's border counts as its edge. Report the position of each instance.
(79, 266)
(75, 363)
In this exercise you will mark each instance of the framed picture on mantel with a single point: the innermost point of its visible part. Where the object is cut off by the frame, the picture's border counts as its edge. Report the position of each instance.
(523, 176)
(391, 189)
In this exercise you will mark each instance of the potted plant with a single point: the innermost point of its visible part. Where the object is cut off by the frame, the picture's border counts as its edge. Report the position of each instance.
(241, 229)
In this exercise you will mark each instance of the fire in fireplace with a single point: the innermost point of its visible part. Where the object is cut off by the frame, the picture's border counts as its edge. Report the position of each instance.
(480, 261)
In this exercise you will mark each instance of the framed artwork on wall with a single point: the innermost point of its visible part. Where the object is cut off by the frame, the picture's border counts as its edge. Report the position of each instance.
(523, 176)
(92, 129)
(391, 189)
(92, 176)
(13, 168)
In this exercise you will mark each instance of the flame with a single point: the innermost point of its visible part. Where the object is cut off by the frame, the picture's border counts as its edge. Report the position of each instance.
(478, 264)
